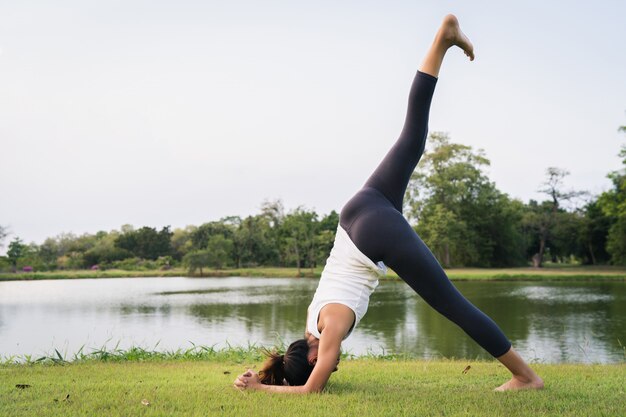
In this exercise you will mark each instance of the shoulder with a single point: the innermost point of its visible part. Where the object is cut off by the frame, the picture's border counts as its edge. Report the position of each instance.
(336, 317)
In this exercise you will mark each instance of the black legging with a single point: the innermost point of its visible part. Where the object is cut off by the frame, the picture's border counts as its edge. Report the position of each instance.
(373, 220)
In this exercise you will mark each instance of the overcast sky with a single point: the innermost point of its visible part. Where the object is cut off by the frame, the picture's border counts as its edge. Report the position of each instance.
(181, 112)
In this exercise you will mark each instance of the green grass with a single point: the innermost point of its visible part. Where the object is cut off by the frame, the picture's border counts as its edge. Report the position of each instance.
(238, 354)
(361, 387)
(549, 273)
(82, 274)
(574, 273)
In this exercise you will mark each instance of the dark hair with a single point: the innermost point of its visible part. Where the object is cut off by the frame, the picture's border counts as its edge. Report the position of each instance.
(292, 366)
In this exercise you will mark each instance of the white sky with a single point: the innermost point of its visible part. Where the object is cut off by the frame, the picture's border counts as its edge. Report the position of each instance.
(174, 113)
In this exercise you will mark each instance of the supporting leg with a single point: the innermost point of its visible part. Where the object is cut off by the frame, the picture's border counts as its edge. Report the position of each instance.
(384, 234)
(523, 376)
(375, 224)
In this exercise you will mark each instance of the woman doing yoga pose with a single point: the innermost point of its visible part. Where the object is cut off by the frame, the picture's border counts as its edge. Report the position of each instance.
(373, 233)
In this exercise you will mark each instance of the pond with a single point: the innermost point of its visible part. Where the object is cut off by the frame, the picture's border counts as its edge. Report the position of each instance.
(547, 322)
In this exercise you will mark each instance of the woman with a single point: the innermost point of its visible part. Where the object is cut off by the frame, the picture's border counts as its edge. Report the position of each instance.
(373, 233)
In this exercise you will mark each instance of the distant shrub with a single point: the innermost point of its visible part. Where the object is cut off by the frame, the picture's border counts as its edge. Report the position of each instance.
(164, 262)
(5, 265)
(73, 260)
(134, 264)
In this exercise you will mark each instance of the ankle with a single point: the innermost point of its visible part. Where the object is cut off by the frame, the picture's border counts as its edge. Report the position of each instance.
(527, 377)
(444, 40)
(523, 378)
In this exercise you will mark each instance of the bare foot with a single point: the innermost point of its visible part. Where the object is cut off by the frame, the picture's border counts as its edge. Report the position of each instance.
(517, 383)
(451, 34)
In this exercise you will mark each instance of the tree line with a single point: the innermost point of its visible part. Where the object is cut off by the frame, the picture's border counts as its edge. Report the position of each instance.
(452, 204)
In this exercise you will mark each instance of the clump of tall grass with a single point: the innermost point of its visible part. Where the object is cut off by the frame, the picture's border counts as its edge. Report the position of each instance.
(236, 354)
(250, 353)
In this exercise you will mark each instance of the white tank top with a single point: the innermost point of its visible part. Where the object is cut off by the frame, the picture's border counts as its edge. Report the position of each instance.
(349, 278)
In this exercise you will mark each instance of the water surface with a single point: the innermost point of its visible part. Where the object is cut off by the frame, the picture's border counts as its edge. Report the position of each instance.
(547, 322)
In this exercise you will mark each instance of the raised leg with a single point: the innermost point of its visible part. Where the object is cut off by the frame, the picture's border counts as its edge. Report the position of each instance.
(392, 175)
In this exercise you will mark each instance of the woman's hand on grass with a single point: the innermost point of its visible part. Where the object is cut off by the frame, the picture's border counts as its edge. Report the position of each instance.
(248, 380)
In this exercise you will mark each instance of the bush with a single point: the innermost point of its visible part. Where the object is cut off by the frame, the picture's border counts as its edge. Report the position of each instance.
(5, 265)
(133, 264)
(73, 260)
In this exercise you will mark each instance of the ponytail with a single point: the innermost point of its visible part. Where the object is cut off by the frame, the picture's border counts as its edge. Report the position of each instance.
(293, 366)
(273, 371)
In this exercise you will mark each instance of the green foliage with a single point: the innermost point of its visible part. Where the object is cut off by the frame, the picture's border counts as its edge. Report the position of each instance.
(71, 260)
(326, 236)
(555, 229)
(146, 242)
(592, 235)
(460, 214)
(219, 249)
(200, 236)
(5, 265)
(216, 255)
(133, 264)
(181, 242)
(17, 249)
(104, 252)
(613, 205)
(197, 260)
(252, 241)
(299, 230)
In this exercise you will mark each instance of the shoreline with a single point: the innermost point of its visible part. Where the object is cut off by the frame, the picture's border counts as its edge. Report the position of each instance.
(551, 274)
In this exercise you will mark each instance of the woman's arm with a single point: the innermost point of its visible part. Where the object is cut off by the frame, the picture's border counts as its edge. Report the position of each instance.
(250, 380)
(328, 353)
(327, 358)
(335, 322)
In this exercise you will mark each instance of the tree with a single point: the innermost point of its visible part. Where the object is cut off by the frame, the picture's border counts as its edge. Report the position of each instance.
(298, 237)
(274, 214)
(253, 242)
(200, 237)
(592, 236)
(613, 205)
(215, 255)
(325, 237)
(146, 243)
(547, 219)
(459, 212)
(17, 249)
(104, 253)
(197, 260)
(444, 234)
(273, 211)
(49, 252)
(219, 249)
(181, 242)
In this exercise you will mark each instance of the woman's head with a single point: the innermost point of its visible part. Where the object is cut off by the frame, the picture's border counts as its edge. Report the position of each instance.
(293, 366)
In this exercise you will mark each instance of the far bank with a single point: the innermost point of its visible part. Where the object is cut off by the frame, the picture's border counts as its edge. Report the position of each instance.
(573, 273)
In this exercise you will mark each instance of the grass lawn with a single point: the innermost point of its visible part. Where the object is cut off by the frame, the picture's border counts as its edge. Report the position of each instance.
(361, 387)
(549, 273)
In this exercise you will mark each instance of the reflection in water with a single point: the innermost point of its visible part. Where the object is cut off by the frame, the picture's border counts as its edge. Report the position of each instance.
(559, 322)
(560, 295)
